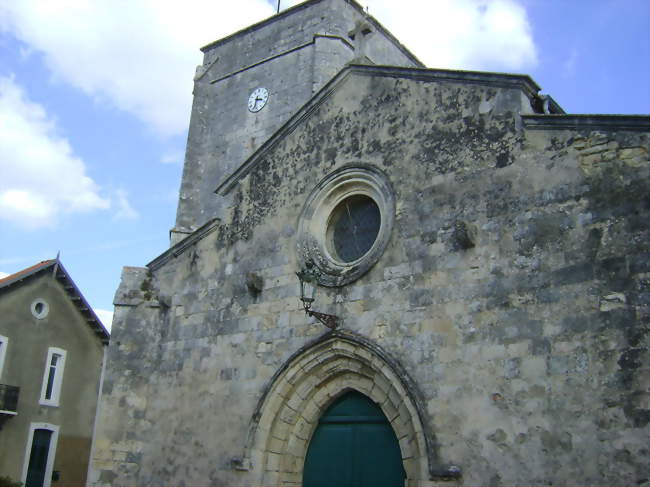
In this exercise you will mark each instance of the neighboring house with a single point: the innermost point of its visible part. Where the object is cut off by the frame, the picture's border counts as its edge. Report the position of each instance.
(51, 357)
(487, 255)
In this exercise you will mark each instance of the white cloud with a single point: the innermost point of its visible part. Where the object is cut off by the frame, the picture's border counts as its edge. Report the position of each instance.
(139, 55)
(13, 261)
(41, 177)
(569, 66)
(461, 34)
(106, 317)
(4, 274)
(175, 157)
(124, 210)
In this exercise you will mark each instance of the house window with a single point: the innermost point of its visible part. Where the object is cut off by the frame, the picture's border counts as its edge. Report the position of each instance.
(4, 341)
(53, 377)
(40, 308)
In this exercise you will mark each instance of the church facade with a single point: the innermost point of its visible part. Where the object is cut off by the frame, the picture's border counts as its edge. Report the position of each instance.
(480, 261)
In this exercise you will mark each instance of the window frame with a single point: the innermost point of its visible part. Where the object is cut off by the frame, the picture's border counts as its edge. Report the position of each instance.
(4, 343)
(45, 310)
(55, 395)
(51, 453)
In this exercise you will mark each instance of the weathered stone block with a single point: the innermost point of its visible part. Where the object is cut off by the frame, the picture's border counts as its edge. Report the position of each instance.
(514, 284)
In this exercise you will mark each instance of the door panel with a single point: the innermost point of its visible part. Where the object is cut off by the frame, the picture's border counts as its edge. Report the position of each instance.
(332, 446)
(353, 446)
(38, 458)
(378, 459)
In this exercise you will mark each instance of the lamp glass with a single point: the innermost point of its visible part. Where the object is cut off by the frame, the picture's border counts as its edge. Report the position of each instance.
(307, 287)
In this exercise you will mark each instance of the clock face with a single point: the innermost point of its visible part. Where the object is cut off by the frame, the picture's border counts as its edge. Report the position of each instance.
(258, 99)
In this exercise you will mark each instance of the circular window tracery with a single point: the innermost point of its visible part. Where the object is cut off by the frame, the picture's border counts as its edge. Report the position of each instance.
(346, 223)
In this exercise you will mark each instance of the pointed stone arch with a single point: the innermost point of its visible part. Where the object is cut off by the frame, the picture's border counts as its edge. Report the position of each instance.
(314, 377)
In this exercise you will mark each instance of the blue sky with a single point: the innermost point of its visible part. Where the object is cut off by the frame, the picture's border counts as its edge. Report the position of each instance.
(95, 101)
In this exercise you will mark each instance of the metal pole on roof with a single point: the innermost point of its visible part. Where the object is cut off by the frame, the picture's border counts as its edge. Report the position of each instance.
(56, 265)
(278, 7)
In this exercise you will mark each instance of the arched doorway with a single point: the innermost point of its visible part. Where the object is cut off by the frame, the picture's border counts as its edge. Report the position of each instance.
(354, 445)
(304, 388)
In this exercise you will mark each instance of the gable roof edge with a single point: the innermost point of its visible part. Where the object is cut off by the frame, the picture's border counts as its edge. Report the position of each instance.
(16, 277)
(506, 80)
(69, 287)
(312, 104)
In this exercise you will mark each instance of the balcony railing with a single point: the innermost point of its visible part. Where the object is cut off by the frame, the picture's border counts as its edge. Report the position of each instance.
(8, 399)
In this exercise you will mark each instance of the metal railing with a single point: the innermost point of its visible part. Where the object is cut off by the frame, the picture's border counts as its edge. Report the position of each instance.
(9, 398)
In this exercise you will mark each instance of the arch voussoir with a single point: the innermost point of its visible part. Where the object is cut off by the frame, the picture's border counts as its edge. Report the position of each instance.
(308, 384)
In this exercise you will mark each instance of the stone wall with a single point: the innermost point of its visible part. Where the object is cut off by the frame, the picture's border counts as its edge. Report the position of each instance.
(513, 295)
(292, 55)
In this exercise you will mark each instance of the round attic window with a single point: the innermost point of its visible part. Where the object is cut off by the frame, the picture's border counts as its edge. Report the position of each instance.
(345, 224)
(40, 308)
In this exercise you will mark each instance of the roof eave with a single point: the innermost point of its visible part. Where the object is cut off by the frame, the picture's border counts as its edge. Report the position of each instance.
(69, 287)
(82, 305)
(25, 273)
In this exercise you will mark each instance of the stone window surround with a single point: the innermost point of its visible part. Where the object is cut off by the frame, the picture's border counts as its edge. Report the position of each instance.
(314, 220)
(57, 380)
(51, 454)
(288, 412)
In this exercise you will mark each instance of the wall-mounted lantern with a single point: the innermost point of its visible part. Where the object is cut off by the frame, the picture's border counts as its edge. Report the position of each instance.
(308, 284)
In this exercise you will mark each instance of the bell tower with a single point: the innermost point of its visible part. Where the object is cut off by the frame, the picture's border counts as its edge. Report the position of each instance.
(253, 81)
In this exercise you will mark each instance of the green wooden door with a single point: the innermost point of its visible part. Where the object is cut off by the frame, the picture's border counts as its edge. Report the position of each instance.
(353, 446)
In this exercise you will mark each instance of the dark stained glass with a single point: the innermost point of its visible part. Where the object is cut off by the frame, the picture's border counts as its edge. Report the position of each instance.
(51, 376)
(354, 227)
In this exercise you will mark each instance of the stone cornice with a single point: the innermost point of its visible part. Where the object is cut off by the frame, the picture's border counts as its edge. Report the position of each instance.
(281, 54)
(176, 250)
(587, 122)
(302, 6)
